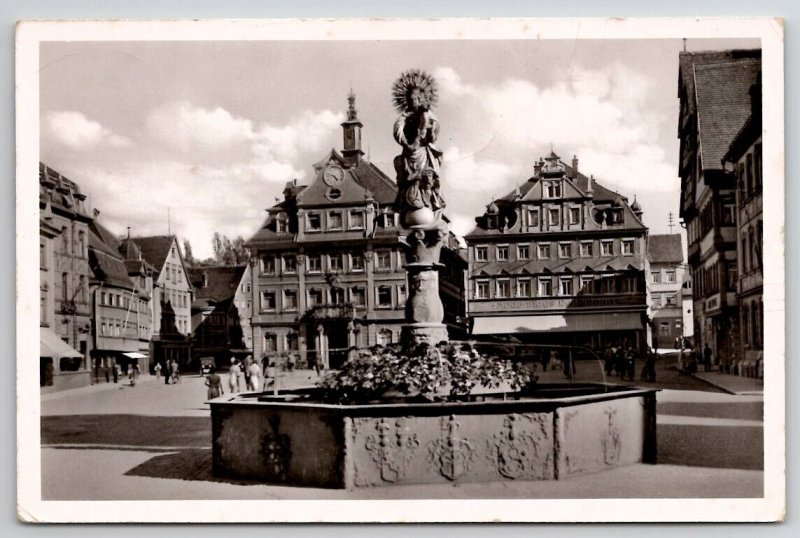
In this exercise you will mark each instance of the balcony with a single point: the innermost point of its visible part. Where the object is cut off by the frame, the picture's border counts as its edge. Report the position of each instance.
(331, 312)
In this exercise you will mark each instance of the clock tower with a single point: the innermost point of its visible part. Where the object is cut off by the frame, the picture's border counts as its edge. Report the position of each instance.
(352, 134)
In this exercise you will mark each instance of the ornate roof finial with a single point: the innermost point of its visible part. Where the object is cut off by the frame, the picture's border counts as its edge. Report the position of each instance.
(352, 113)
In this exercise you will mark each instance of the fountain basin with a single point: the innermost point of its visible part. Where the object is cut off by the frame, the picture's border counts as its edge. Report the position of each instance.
(551, 433)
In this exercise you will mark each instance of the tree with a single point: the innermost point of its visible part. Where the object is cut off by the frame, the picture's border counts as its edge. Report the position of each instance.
(187, 249)
(229, 251)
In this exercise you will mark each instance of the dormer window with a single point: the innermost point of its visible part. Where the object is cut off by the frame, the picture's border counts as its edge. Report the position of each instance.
(357, 220)
(491, 221)
(335, 220)
(280, 225)
(552, 189)
(574, 215)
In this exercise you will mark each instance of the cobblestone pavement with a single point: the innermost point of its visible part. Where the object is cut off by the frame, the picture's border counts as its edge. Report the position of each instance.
(153, 441)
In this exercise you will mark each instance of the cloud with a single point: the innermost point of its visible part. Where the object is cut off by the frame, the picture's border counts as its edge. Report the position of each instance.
(77, 132)
(601, 115)
(189, 127)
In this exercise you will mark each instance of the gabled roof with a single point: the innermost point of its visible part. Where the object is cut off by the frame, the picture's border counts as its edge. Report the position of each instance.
(221, 282)
(688, 60)
(665, 248)
(155, 249)
(105, 262)
(723, 105)
(361, 182)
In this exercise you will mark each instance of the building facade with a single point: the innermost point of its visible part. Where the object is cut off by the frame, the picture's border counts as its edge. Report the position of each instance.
(121, 309)
(560, 260)
(218, 324)
(745, 157)
(328, 273)
(713, 88)
(665, 283)
(171, 302)
(64, 207)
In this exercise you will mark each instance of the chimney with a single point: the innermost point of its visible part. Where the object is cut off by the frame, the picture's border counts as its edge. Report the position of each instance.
(537, 168)
(589, 186)
(575, 166)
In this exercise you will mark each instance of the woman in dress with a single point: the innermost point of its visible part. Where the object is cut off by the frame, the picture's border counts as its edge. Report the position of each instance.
(241, 381)
(255, 376)
(214, 384)
(233, 379)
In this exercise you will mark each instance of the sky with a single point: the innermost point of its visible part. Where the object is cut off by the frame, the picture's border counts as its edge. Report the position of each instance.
(198, 137)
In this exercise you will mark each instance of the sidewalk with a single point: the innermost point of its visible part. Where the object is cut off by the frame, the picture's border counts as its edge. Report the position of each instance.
(732, 384)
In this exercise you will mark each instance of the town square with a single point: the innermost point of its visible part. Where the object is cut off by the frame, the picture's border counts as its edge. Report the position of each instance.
(386, 269)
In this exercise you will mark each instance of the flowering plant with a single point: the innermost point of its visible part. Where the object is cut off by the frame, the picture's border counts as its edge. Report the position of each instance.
(434, 373)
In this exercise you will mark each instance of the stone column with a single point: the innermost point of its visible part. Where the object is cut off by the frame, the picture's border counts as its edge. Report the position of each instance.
(424, 311)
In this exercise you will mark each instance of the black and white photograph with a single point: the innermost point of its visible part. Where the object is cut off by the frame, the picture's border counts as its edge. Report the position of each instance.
(537, 261)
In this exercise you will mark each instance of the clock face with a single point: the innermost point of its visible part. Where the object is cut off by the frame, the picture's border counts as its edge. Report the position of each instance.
(333, 176)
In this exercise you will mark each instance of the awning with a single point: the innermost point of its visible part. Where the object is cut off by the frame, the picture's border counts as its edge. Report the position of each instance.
(52, 346)
(135, 355)
(558, 323)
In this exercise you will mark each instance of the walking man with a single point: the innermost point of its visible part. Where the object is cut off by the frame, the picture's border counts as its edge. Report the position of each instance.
(706, 358)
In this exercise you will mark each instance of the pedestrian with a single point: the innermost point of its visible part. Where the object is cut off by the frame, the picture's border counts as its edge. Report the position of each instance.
(291, 360)
(246, 372)
(706, 358)
(318, 365)
(214, 384)
(174, 373)
(619, 362)
(131, 376)
(649, 371)
(157, 369)
(554, 361)
(255, 376)
(233, 376)
(608, 359)
(115, 371)
(630, 364)
(241, 382)
(136, 370)
(168, 373)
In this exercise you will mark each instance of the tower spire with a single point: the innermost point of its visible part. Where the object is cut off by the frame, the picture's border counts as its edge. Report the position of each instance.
(352, 133)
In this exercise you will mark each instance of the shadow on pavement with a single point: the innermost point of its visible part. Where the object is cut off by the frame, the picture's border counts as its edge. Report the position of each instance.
(190, 464)
(733, 447)
(127, 430)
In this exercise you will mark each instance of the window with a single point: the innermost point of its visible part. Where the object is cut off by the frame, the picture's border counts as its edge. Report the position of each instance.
(289, 265)
(656, 300)
(670, 274)
(503, 289)
(544, 251)
(565, 285)
(574, 215)
(554, 216)
(729, 214)
(523, 252)
(545, 287)
(607, 248)
(314, 297)
(733, 276)
(337, 296)
(384, 258)
(553, 189)
(270, 342)
(102, 297)
(401, 296)
(656, 276)
(482, 289)
(663, 328)
(42, 256)
(64, 287)
(386, 220)
(334, 220)
(533, 218)
(268, 265)
(481, 254)
(586, 283)
(502, 252)
(356, 262)
(358, 296)
(757, 167)
(384, 296)
(292, 342)
(168, 271)
(280, 225)
(103, 328)
(357, 220)
(565, 250)
(627, 247)
(334, 262)
(523, 287)
(290, 299)
(314, 222)
(384, 337)
(267, 300)
(82, 244)
(314, 263)
(587, 249)
(669, 300)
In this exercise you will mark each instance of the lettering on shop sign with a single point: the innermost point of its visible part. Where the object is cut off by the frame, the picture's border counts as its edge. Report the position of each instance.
(538, 304)
(712, 303)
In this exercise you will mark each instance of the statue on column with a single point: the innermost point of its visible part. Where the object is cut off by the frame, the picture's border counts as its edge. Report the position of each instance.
(419, 199)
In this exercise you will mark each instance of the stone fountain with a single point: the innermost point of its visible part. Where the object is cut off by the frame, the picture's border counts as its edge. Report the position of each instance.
(552, 432)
